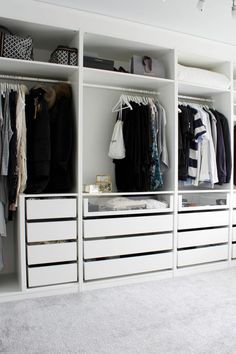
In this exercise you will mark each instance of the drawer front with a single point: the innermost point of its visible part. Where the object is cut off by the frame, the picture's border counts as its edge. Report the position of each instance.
(202, 237)
(50, 208)
(52, 253)
(127, 266)
(127, 245)
(202, 255)
(234, 234)
(51, 231)
(234, 200)
(51, 275)
(234, 251)
(127, 226)
(234, 217)
(203, 219)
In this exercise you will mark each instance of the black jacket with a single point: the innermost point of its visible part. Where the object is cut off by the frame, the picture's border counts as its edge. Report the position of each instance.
(133, 172)
(223, 156)
(61, 140)
(38, 142)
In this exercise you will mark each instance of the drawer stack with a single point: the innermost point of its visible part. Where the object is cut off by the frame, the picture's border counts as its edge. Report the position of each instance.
(202, 237)
(121, 246)
(234, 228)
(51, 241)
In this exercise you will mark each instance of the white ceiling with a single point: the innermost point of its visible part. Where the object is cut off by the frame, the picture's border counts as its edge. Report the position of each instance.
(215, 22)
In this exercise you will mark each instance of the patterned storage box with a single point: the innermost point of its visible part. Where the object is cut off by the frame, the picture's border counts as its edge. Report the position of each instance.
(64, 55)
(14, 46)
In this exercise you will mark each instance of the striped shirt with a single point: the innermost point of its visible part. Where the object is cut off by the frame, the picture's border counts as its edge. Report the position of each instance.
(199, 131)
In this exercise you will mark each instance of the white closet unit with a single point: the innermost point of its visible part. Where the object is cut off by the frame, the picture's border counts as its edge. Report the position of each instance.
(74, 241)
(123, 242)
(203, 212)
(41, 249)
(101, 92)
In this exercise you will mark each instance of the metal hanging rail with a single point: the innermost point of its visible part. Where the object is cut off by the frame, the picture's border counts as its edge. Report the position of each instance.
(203, 99)
(28, 78)
(122, 89)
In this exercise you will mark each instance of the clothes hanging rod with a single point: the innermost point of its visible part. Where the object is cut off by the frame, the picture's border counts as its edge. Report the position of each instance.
(28, 78)
(122, 89)
(203, 99)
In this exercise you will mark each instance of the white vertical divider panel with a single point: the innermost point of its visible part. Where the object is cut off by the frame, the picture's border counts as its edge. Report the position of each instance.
(80, 161)
(75, 80)
(167, 98)
(21, 243)
(231, 123)
(175, 231)
(223, 103)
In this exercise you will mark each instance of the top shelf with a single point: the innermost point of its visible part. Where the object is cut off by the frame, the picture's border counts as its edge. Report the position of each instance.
(35, 69)
(122, 80)
(185, 88)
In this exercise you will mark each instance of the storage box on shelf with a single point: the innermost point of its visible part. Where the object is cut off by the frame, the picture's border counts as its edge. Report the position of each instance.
(51, 240)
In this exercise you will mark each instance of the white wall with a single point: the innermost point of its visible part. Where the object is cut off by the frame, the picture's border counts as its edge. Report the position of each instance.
(182, 15)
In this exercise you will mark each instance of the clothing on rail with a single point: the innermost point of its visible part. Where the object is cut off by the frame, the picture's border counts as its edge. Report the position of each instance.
(142, 166)
(204, 146)
(36, 144)
(49, 120)
(9, 166)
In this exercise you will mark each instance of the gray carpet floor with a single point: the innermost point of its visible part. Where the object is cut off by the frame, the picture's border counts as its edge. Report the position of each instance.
(195, 314)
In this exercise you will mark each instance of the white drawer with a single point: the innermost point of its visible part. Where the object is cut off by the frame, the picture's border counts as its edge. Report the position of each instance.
(52, 253)
(234, 251)
(126, 266)
(127, 245)
(234, 217)
(234, 200)
(54, 208)
(127, 225)
(202, 237)
(234, 234)
(202, 255)
(94, 206)
(54, 274)
(203, 219)
(51, 231)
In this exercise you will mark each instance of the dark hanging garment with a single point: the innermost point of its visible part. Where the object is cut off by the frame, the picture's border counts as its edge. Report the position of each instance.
(235, 155)
(186, 135)
(226, 135)
(12, 166)
(38, 142)
(133, 172)
(220, 151)
(61, 140)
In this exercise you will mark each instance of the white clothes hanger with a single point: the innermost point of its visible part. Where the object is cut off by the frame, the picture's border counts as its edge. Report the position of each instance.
(123, 103)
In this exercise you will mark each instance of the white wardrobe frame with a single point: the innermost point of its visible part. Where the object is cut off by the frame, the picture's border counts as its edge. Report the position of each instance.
(147, 36)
